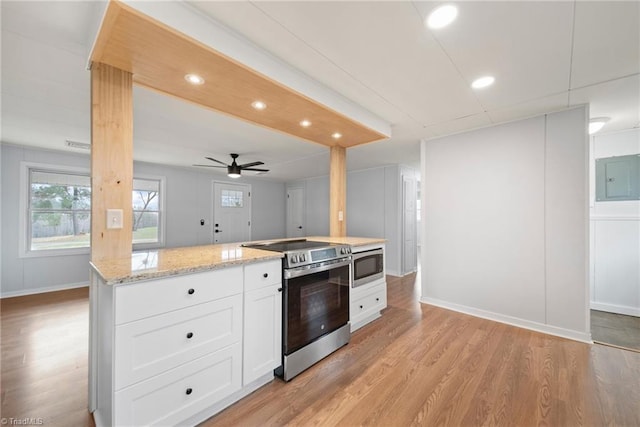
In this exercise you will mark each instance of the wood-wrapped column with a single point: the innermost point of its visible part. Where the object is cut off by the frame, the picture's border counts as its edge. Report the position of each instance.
(111, 160)
(338, 192)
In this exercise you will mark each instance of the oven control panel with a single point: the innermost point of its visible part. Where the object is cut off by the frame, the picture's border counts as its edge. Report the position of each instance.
(312, 256)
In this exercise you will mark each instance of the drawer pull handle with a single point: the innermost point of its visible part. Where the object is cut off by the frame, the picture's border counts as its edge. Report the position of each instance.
(191, 291)
(361, 307)
(190, 335)
(279, 289)
(265, 275)
(189, 390)
(377, 299)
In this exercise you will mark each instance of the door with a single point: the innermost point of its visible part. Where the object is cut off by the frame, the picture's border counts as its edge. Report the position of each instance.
(295, 212)
(262, 332)
(409, 234)
(231, 212)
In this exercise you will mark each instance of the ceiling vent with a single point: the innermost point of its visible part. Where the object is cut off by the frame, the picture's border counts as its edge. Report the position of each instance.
(80, 145)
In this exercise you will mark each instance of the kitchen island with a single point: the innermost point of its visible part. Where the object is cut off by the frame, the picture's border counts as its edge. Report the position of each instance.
(177, 335)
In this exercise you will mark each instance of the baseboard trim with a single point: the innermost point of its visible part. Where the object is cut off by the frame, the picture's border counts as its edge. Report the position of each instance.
(25, 292)
(509, 320)
(614, 308)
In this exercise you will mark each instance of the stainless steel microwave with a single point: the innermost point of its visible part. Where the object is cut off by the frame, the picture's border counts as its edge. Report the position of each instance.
(367, 267)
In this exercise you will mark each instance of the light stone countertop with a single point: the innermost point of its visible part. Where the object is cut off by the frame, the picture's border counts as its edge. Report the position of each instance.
(144, 265)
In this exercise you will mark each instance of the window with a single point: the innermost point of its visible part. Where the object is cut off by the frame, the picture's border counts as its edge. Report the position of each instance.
(59, 210)
(231, 199)
(56, 202)
(146, 211)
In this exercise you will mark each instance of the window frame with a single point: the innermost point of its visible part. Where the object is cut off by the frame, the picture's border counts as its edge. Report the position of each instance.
(24, 218)
(24, 241)
(161, 213)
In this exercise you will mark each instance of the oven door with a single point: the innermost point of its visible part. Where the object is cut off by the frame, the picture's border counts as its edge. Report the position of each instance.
(367, 267)
(316, 302)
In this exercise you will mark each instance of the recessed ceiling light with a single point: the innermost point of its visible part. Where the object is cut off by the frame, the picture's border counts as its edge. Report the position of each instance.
(483, 82)
(194, 79)
(305, 123)
(258, 105)
(596, 124)
(336, 135)
(442, 16)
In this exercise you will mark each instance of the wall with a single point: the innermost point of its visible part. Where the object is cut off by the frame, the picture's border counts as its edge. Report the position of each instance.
(188, 199)
(373, 207)
(615, 235)
(504, 223)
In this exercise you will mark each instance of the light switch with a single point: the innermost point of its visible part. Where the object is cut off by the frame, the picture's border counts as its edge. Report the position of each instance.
(340, 216)
(114, 218)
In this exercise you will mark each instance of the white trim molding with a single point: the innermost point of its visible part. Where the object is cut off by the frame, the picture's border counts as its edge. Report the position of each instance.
(509, 320)
(25, 292)
(614, 308)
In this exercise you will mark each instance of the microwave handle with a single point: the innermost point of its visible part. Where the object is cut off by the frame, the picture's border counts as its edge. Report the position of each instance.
(358, 255)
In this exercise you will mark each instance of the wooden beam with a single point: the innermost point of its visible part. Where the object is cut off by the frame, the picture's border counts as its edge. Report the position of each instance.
(338, 192)
(111, 160)
(159, 58)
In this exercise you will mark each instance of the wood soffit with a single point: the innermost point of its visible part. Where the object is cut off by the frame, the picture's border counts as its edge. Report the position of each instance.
(159, 57)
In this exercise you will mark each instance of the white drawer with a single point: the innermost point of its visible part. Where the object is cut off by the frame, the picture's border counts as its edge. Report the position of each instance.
(369, 302)
(150, 346)
(163, 399)
(140, 300)
(262, 274)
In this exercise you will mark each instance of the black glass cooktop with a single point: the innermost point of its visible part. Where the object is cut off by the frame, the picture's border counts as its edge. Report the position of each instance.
(291, 245)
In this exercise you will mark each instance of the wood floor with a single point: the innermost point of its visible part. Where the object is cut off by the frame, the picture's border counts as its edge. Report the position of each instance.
(44, 358)
(615, 329)
(417, 365)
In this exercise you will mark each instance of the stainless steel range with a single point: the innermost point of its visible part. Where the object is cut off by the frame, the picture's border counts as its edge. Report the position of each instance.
(316, 277)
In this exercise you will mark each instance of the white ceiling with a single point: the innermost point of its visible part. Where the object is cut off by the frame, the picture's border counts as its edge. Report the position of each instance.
(545, 56)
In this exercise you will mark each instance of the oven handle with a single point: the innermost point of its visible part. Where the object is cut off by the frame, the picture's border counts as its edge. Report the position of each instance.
(316, 268)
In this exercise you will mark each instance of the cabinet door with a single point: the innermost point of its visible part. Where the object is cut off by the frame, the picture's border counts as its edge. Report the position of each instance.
(262, 332)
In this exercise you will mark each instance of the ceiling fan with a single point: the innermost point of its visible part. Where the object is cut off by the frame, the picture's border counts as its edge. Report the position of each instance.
(234, 169)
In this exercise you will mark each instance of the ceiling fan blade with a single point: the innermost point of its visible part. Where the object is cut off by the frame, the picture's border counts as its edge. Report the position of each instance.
(217, 161)
(210, 166)
(254, 169)
(248, 165)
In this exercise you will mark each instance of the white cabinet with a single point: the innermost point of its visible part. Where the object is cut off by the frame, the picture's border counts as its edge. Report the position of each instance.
(262, 332)
(368, 300)
(262, 319)
(180, 393)
(156, 344)
(174, 350)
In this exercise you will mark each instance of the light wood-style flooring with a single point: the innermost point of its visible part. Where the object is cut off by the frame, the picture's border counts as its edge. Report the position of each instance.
(417, 365)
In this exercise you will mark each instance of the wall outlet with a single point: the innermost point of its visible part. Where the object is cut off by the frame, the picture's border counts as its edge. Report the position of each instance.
(114, 218)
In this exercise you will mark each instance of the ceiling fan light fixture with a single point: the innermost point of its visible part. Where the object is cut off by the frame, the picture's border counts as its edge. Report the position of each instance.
(483, 82)
(233, 171)
(258, 105)
(596, 124)
(194, 79)
(441, 16)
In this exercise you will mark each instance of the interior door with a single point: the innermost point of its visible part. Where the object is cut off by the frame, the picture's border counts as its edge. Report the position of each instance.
(231, 212)
(409, 234)
(295, 212)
